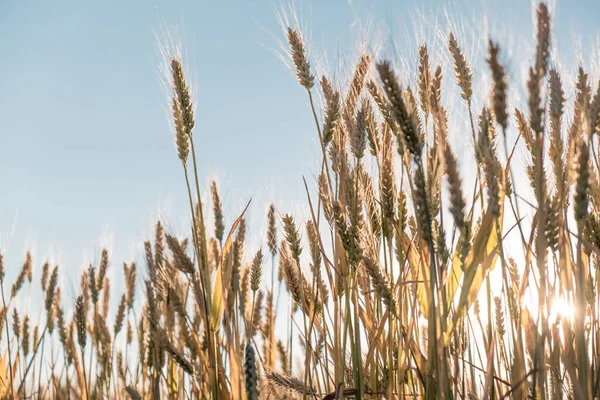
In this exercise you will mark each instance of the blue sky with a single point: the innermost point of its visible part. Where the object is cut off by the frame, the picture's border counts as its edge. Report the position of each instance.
(86, 155)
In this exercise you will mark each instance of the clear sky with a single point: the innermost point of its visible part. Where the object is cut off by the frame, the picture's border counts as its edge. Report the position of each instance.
(86, 155)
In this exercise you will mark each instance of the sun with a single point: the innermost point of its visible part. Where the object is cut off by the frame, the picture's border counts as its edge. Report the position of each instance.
(561, 309)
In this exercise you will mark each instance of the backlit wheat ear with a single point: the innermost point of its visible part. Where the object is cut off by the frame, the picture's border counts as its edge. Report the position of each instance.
(581, 201)
(256, 313)
(283, 357)
(102, 269)
(556, 150)
(491, 165)
(457, 202)
(50, 298)
(120, 315)
(250, 373)
(63, 333)
(499, 88)
(435, 93)
(272, 231)
(524, 129)
(332, 111)
(289, 383)
(105, 297)
(16, 324)
(290, 273)
(358, 136)
(182, 261)
(27, 265)
(380, 282)
(25, 344)
(384, 109)
(543, 40)
(356, 85)
(182, 140)
(256, 271)
(130, 278)
(407, 123)
(292, 236)
(92, 284)
(80, 319)
(315, 251)
(424, 78)
(244, 288)
(218, 212)
(182, 93)
(461, 68)
(305, 78)
(45, 272)
(387, 188)
(326, 198)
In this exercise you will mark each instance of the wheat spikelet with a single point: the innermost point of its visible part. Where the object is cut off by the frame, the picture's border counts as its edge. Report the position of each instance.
(551, 226)
(356, 85)
(543, 40)
(256, 313)
(25, 344)
(175, 353)
(120, 315)
(524, 129)
(283, 357)
(384, 110)
(63, 333)
(461, 68)
(45, 272)
(296, 43)
(422, 205)
(286, 381)
(80, 319)
(132, 393)
(499, 87)
(130, 279)
(315, 250)
(182, 140)
(387, 185)
(581, 200)
(92, 284)
(50, 297)
(290, 274)
(16, 325)
(491, 165)
(22, 275)
(332, 113)
(250, 373)
(182, 93)
(181, 260)
(256, 271)
(380, 282)
(326, 198)
(272, 231)
(244, 288)
(218, 212)
(556, 143)
(106, 297)
(102, 269)
(407, 123)
(424, 78)
(358, 136)
(435, 93)
(457, 202)
(292, 237)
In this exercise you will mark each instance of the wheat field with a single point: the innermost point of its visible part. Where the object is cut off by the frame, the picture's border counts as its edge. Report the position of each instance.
(400, 284)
